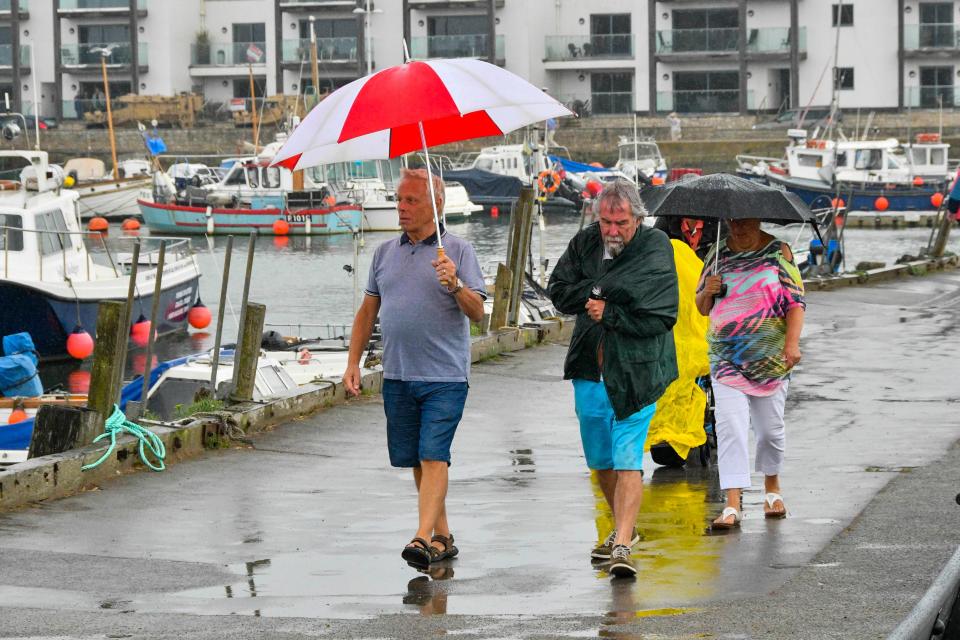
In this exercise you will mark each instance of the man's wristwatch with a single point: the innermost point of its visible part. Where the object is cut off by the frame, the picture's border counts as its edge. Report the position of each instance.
(457, 288)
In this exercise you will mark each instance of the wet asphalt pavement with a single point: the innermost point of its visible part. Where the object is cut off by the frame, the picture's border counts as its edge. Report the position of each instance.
(300, 537)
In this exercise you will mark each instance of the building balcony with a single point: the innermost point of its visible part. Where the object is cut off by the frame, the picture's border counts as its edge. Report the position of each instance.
(329, 51)
(932, 97)
(86, 56)
(588, 52)
(604, 103)
(6, 57)
(82, 8)
(6, 8)
(694, 44)
(318, 5)
(214, 57)
(702, 101)
(426, 5)
(938, 40)
(459, 46)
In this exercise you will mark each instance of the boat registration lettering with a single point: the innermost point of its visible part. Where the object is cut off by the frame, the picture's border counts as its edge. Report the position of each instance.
(297, 217)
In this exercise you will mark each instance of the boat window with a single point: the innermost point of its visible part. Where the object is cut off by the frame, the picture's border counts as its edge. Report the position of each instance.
(868, 159)
(235, 177)
(51, 242)
(644, 152)
(918, 155)
(893, 162)
(938, 156)
(271, 177)
(809, 160)
(10, 230)
(842, 159)
(252, 175)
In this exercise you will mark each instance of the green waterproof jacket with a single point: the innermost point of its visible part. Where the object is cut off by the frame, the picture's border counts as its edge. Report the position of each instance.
(640, 289)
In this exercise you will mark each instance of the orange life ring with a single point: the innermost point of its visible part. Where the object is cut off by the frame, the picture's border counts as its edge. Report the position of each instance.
(554, 181)
(9, 185)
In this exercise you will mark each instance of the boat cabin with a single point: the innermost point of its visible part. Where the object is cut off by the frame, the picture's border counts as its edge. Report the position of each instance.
(511, 160)
(640, 155)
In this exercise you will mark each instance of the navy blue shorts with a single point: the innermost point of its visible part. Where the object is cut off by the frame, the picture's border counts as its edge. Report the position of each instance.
(421, 419)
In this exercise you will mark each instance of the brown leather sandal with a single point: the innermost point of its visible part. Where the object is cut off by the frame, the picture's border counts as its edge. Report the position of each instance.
(418, 553)
(449, 551)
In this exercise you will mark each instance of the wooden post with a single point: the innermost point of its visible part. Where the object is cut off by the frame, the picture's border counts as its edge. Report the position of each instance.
(501, 297)
(59, 428)
(111, 334)
(248, 352)
(521, 247)
(131, 294)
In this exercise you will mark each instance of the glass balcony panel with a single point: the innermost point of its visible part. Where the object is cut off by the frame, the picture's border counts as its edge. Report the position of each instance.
(88, 53)
(228, 53)
(86, 5)
(706, 101)
(931, 36)
(611, 102)
(585, 47)
(6, 5)
(328, 49)
(458, 46)
(697, 40)
(932, 96)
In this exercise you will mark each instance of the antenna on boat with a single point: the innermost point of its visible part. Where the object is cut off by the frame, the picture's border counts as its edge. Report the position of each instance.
(36, 102)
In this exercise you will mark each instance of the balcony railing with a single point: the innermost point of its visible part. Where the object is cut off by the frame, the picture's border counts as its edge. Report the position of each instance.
(87, 54)
(698, 40)
(6, 55)
(702, 101)
(931, 36)
(459, 46)
(611, 102)
(7, 5)
(99, 5)
(227, 54)
(589, 47)
(932, 96)
(328, 50)
(774, 40)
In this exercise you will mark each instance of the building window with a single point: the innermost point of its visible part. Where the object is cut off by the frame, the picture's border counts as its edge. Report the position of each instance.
(705, 30)
(457, 36)
(936, 25)
(255, 32)
(936, 86)
(609, 35)
(330, 29)
(845, 14)
(611, 92)
(115, 36)
(241, 87)
(706, 91)
(843, 78)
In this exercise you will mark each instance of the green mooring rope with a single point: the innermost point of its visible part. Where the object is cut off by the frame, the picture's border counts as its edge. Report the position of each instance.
(117, 424)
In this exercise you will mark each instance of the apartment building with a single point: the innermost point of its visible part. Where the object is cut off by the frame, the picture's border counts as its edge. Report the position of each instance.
(598, 56)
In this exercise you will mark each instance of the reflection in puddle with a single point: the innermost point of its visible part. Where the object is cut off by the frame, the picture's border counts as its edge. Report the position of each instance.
(251, 582)
(427, 592)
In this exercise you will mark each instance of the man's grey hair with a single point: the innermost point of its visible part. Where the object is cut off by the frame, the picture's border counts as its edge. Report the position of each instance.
(624, 193)
(421, 175)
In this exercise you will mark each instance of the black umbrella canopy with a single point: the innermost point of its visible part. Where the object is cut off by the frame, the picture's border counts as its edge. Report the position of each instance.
(727, 197)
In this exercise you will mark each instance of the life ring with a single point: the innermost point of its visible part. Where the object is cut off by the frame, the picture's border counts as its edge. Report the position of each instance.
(548, 181)
(9, 185)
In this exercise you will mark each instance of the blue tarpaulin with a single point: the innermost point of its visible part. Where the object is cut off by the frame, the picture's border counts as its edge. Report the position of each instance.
(575, 167)
(18, 367)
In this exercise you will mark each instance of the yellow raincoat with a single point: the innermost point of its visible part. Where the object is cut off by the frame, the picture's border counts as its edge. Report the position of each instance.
(679, 417)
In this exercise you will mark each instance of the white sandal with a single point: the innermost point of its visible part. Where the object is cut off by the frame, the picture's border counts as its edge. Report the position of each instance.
(726, 513)
(771, 498)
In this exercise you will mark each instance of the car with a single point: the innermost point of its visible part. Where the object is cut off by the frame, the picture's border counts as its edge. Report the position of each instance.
(45, 122)
(791, 118)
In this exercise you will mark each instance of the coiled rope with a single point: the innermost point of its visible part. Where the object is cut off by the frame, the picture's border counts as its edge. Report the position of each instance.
(118, 424)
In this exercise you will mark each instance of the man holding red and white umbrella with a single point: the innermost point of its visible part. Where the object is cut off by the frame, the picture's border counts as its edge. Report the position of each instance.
(427, 283)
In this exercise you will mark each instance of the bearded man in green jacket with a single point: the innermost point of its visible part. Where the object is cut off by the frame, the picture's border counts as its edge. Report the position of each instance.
(618, 278)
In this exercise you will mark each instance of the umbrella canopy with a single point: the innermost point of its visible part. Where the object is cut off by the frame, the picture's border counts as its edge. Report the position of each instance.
(412, 106)
(726, 197)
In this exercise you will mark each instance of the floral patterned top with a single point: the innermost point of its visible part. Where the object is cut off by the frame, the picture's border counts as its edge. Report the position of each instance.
(748, 326)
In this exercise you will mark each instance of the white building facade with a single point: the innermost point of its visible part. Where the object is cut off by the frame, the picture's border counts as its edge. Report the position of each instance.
(598, 56)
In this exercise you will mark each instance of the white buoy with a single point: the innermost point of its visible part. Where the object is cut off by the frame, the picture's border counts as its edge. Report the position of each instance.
(306, 228)
(209, 220)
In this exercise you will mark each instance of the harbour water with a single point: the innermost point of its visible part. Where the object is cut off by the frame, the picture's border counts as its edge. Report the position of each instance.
(303, 282)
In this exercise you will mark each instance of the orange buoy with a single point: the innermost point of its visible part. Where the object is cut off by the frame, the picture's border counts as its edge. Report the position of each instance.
(130, 224)
(140, 331)
(79, 344)
(657, 181)
(881, 204)
(281, 227)
(17, 415)
(329, 201)
(199, 315)
(918, 181)
(936, 200)
(98, 223)
(838, 203)
(494, 211)
(838, 221)
(594, 187)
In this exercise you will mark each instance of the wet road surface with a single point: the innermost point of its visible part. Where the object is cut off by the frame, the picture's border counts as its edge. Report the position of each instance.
(300, 537)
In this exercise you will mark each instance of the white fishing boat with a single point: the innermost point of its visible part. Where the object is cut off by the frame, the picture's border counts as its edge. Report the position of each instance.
(100, 194)
(640, 156)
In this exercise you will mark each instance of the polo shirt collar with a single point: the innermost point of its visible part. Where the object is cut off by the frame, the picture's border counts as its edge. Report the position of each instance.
(431, 239)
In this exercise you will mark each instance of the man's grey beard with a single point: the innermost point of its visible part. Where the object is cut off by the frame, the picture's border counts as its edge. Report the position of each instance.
(614, 246)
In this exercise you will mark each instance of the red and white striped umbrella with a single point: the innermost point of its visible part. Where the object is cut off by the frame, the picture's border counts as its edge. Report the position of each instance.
(413, 106)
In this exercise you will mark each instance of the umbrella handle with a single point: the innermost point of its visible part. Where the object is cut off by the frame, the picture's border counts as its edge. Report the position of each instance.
(441, 252)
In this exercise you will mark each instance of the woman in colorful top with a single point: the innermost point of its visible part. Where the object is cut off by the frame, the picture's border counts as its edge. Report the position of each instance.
(754, 343)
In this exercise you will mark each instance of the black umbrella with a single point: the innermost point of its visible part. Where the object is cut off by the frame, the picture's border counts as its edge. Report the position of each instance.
(726, 197)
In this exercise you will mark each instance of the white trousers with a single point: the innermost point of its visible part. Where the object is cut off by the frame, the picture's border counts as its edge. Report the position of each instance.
(735, 413)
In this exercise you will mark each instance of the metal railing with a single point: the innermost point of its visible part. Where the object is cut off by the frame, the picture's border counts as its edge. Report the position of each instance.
(611, 102)
(227, 53)
(943, 35)
(932, 97)
(702, 101)
(6, 55)
(6, 5)
(100, 250)
(458, 46)
(589, 47)
(85, 54)
(88, 5)
(342, 49)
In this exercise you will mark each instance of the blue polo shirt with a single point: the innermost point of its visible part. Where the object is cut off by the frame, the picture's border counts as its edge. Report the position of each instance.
(426, 337)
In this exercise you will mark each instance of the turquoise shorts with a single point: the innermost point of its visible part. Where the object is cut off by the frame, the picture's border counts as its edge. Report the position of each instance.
(609, 443)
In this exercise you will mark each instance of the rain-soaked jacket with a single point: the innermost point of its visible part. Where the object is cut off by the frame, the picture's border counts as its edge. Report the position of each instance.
(640, 289)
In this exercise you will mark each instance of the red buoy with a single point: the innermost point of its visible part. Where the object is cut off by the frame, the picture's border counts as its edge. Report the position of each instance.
(281, 227)
(79, 344)
(281, 241)
(199, 315)
(918, 181)
(130, 224)
(936, 200)
(838, 203)
(98, 223)
(494, 211)
(881, 204)
(594, 187)
(140, 331)
(657, 181)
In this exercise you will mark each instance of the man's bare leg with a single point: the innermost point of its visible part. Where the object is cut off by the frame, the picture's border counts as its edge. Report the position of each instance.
(608, 484)
(441, 527)
(627, 499)
(432, 490)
